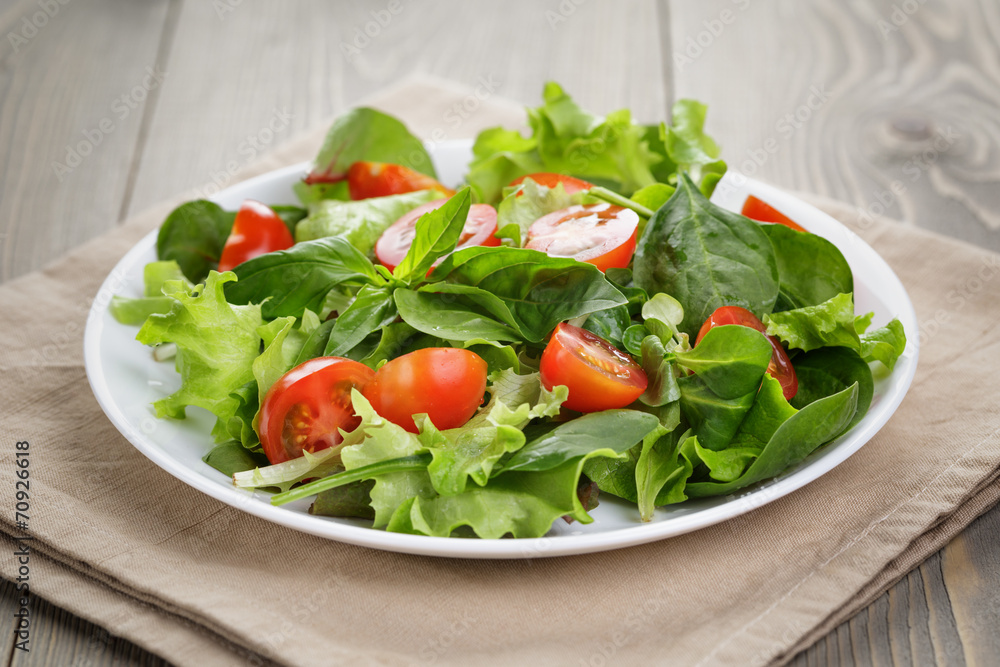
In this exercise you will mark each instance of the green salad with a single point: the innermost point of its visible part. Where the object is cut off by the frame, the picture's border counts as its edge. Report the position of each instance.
(578, 319)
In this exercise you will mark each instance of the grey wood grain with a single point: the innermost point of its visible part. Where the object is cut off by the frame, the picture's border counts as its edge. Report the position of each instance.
(61, 103)
(61, 639)
(233, 73)
(904, 101)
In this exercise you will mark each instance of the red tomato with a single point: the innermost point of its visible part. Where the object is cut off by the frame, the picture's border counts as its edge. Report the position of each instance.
(257, 230)
(550, 180)
(304, 408)
(445, 383)
(599, 234)
(598, 375)
(380, 179)
(780, 368)
(755, 209)
(480, 227)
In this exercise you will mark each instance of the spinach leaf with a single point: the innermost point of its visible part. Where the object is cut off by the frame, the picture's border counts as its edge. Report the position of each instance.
(612, 432)
(364, 134)
(714, 420)
(705, 257)
(796, 438)
(811, 270)
(829, 370)
(232, 457)
(769, 411)
(662, 470)
(193, 236)
(350, 500)
(300, 277)
(730, 360)
(372, 310)
(539, 291)
(435, 236)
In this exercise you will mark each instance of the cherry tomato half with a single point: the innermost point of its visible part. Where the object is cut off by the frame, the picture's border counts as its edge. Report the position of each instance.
(780, 368)
(480, 227)
(304, 408)
(755, 209)
(257, 230)
(598, 375)
(599, 234)
(380, 179)
(446, 383)
(550, 180)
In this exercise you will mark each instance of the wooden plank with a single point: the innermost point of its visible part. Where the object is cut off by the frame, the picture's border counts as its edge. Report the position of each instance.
(232, 74)
(912, 105)
(67, 136)
(970, 570)
(60, 638)
(9, 605)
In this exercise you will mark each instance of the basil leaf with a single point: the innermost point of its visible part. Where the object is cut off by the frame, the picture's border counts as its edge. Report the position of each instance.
(436, 234)
(705, 257)
(811, 270)
(372, 310)
(539, 291)
(450, 316)
(193, 235)
(372, 136)
(300, 277)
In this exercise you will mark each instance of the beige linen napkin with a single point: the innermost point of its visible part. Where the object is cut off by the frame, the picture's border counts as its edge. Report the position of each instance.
(120, 542)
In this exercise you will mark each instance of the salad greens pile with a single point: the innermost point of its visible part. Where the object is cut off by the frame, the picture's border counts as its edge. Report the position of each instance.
(711, 421)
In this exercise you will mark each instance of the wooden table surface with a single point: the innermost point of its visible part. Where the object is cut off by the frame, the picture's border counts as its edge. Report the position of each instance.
(856, 96)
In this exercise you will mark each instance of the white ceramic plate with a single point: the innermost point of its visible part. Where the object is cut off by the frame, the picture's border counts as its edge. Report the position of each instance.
(126, 380)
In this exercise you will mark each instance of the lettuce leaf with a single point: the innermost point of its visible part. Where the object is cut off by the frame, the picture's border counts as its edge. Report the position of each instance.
(360, 222)
(609, 150)
(523, 206)
(216, 346)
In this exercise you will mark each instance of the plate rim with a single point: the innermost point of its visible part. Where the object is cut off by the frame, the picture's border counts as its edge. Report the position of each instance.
(256, 503)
